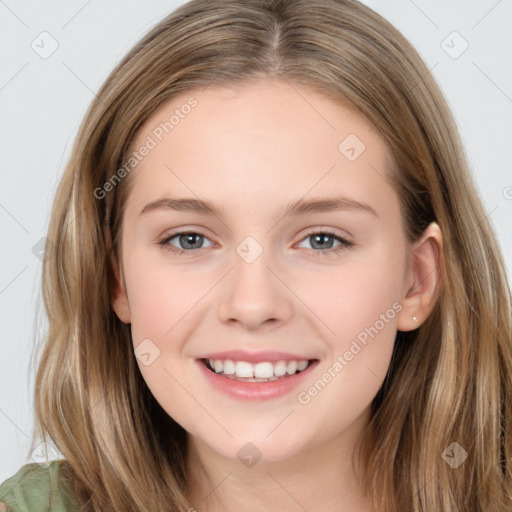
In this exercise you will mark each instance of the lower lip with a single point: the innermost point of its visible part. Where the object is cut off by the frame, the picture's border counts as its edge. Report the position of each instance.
(256, 390)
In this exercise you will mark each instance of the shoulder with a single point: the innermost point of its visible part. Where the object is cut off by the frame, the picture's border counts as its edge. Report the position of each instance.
(37, 488)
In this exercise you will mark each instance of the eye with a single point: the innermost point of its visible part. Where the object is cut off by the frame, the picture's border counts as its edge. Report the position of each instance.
(192, 240)
(187, 238)
(319, 239)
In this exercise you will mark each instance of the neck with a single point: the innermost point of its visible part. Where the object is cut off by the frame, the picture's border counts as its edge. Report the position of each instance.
(319, 478)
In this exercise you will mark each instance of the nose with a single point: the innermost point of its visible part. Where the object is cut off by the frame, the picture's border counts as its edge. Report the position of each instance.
(255, 295)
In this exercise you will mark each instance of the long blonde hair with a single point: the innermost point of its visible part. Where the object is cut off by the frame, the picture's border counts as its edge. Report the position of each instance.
(449, 381)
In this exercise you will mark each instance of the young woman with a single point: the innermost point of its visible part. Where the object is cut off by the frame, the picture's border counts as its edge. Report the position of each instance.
(273, 287)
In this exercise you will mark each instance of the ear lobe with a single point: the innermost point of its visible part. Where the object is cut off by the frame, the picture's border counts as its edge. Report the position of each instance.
(426, 265)
(118, 293)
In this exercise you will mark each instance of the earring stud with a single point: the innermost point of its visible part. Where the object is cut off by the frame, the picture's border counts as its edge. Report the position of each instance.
(415, 318)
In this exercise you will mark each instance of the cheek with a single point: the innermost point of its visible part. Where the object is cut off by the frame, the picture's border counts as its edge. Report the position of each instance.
(354, 295)
(358, 303)
(159, 301)
(159, 295)
(360, 325)
(361, 316)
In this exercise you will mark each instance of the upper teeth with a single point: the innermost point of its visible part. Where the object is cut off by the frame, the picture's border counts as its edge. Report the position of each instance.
(263, 370)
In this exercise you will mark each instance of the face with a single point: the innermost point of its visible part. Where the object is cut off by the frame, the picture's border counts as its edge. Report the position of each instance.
(324, 285)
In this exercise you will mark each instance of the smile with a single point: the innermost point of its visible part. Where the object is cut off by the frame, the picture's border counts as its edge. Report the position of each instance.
(261, 381)
(265, 371)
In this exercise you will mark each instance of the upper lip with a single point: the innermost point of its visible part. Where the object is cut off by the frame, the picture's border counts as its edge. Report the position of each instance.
(255, 357)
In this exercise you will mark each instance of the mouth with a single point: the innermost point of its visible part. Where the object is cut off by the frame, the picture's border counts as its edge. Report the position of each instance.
(262, 381)
(243, 371)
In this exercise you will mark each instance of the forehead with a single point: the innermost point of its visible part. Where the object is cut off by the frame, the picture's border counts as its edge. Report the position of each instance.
(271, 139)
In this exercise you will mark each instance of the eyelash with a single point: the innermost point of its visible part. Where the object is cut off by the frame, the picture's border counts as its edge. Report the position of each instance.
(345, 244)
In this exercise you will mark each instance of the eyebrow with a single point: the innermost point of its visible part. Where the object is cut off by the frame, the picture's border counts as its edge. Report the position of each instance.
(300, 207)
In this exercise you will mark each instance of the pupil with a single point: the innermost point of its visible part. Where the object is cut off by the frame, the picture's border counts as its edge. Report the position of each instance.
(322, 244)
(187, 238)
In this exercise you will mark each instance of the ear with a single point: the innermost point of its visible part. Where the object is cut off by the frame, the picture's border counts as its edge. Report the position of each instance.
(118, 289)
(423, 279)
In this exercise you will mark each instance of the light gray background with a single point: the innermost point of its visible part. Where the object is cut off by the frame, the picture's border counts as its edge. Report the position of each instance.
(44, 99)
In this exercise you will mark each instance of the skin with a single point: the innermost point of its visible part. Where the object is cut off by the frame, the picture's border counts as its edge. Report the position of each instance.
(268, 145)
